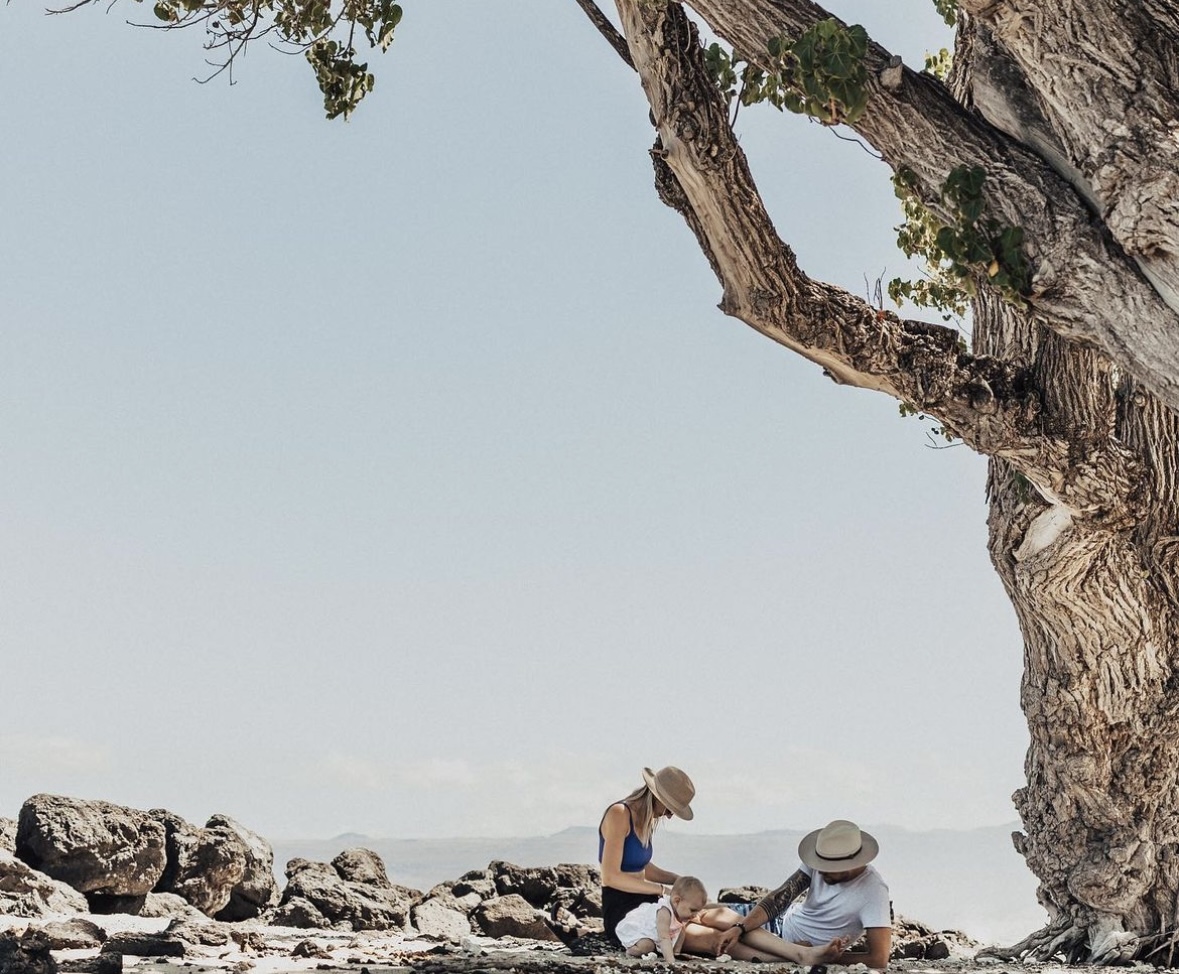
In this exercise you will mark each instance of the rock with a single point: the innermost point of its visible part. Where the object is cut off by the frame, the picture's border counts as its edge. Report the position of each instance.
(594, 944)
(344, 902)
(444, 890)
(436, 918)
(203, 865)
(362, 866)
(257, 889)
(99, 964)
(481, 886)
(8, 835)
(73, 934)
(25, 954)
(513, 916)
(465, 904)
(94, 846)
(742, 894)
(198, 933)
(143, 945)
(27, 893)
(309, 948)
(298, 912)
(536, 884)
(576, 875)
(250, 940)
(169, 905)
(582, 903)
(590, 904)
(105, 904)
(937, 949)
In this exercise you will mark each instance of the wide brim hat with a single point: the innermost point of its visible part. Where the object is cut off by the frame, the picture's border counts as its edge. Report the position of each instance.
(673, 788)
(838, 846)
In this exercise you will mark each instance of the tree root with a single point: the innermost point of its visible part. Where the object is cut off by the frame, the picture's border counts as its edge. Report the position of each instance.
(1064, 941)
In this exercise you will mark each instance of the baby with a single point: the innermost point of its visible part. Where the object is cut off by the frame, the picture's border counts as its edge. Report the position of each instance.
(662, 923)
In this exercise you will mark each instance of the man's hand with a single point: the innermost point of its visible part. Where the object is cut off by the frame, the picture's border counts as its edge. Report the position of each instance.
(726, 940)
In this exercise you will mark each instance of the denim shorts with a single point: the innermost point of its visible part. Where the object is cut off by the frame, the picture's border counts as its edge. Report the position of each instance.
(773, 925)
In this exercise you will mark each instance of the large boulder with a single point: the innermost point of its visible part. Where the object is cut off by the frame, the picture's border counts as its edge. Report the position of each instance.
(257, 888)
(436, 917)
(94, 846)
(326, 891)
(362, 866)
(27, 893)
(203, 866)
(295, 911)
(513, 916)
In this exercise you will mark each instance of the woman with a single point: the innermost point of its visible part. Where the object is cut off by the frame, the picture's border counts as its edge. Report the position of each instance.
(629, 877)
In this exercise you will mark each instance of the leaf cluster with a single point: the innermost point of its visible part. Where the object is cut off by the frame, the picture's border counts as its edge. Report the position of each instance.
(325, 31)
(948, 10)
(820, 74)
(955, 252)
(939, 64)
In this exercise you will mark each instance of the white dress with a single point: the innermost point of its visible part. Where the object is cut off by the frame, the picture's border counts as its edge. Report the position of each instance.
(639, 923)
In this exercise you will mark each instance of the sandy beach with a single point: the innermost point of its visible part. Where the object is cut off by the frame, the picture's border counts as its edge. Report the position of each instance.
(263, 949)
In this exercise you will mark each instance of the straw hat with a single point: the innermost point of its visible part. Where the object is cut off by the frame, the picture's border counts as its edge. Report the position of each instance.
(672, 787)
(838, 846)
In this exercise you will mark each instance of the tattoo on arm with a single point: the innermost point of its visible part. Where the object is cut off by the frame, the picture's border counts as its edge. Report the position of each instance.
(775, 903)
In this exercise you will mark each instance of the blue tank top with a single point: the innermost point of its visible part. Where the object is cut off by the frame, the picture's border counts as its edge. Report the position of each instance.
(635, 855)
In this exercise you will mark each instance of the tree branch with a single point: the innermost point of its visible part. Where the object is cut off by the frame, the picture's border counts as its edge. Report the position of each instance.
(607, 30)
(1084, 286)
(702, 172)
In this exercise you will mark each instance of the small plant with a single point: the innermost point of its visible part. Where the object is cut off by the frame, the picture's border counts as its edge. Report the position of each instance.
(939, 64)
(907, 409)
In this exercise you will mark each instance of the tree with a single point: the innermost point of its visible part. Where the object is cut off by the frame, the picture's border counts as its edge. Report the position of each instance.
(1040, 174)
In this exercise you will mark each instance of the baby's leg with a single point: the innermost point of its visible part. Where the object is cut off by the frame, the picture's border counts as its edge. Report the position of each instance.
(641, 947)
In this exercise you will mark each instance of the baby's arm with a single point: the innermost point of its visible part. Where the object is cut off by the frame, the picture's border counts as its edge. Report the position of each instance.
(663, 928)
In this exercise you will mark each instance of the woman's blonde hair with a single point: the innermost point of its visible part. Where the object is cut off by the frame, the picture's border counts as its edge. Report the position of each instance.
(641, 802)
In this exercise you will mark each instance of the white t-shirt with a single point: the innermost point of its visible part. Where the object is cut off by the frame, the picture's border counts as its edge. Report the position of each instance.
(833, 910)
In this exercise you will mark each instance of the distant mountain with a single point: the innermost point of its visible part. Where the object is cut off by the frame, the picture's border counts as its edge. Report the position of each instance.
(969, 880)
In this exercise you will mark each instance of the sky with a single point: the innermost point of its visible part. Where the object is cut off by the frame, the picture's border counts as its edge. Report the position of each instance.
(400, 476)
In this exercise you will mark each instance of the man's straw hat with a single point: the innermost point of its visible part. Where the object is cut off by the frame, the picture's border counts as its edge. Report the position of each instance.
(838, 846)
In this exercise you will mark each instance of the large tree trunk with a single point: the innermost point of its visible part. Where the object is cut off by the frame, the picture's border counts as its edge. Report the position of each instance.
(1098, 604)
(1084, 525)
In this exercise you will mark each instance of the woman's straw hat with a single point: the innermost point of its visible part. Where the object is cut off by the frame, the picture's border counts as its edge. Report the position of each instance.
(672, 787)
(837, 847)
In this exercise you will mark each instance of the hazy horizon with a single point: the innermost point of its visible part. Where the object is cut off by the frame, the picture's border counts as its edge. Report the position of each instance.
(971, 879)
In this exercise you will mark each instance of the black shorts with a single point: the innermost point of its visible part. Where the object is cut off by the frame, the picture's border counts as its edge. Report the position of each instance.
(616, 904)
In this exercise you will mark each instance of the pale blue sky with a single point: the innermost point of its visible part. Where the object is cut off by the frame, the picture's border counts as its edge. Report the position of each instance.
(401, 476)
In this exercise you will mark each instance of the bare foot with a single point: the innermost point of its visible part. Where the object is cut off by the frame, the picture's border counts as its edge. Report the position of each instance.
(826, 952)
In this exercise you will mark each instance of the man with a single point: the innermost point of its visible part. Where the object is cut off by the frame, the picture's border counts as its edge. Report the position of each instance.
(845, 899)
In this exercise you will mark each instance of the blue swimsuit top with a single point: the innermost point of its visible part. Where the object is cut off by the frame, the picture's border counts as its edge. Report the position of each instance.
(635, 855)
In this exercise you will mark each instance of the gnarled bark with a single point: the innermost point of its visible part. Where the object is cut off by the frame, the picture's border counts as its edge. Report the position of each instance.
(1085, 286)
(1084, 525)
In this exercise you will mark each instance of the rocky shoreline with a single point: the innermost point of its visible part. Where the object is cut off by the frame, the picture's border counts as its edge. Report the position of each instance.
(88, 887)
